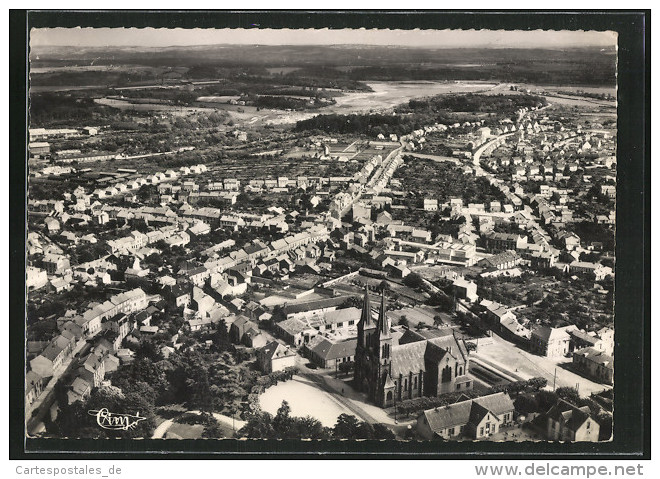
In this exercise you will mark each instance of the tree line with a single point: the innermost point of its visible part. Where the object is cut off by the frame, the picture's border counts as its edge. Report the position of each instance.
(262, 425)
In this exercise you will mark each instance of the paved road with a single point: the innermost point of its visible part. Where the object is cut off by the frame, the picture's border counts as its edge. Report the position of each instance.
(160, 431)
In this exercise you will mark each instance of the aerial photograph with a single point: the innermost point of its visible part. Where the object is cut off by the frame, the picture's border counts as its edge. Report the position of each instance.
(321, 234)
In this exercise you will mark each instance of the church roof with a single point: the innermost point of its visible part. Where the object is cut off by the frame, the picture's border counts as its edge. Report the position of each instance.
(411, 336)
(408, 357)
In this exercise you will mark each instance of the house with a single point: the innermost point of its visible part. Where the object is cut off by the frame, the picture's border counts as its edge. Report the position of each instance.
(55, 263)
(253, 338)
(34, 385)
(198, 275)
(594, 364)
(384, 218)
(566, 422)
(201, 302)
(502, 261)
(550, 342)
(326, 353)
(595, 270)
(465, 289)
(420, 235)
(430, 204)
(497, 242)
(79, 390)
(180, 296)
(581, 340)
(313, 308)
(608, 190)
(49, 360)
(73, 329)
(35, 278)
(275, 357)
(570, 240)
(147, 331)
(474, 418)
(239, 328)
(93, 368)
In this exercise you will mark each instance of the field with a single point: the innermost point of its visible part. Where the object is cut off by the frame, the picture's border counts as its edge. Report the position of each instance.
(171, 109)
(384, 97)
(304, 398)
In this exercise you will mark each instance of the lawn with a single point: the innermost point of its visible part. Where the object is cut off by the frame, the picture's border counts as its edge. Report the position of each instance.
(304, 398)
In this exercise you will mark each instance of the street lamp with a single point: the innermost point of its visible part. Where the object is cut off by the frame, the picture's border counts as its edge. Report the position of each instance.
(395, 418)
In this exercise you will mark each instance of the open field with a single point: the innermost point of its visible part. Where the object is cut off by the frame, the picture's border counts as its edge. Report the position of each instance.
(385, 96)
(172, 109)
(304, 398)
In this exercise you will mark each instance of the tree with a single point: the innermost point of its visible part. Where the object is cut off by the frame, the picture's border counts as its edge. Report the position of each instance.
(526, 404)
(403, 321)
(75, 421)
(533, 296)
(537, 383)
(569, 394)
(309, 428)
(282, 422)
(384, 286)
(154, 259)
(346, 367)
(212, 428)
(413, 280)
(141, 374)
(440, 299)
(437, 320)
(346, 427)
(381, 431)
(546, 400)
(148, 349)
(259, 426)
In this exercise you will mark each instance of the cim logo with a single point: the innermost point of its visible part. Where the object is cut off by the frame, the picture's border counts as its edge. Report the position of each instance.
(114, 421)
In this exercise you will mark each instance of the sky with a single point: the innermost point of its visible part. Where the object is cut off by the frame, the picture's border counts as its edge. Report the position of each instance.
(151, 37)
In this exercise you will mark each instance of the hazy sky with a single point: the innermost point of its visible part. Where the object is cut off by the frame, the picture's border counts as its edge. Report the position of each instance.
(151, 37)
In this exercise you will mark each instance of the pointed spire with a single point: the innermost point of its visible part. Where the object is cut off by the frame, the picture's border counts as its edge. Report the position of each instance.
(365, 319)
(383, 320)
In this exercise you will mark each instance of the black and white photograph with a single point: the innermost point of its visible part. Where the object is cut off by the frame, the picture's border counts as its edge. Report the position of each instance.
(321, 234)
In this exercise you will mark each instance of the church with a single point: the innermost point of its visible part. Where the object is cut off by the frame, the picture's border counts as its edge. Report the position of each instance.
(392, 367)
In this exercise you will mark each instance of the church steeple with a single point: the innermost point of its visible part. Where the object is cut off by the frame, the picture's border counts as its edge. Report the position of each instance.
(365, 319)
(384, 322)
